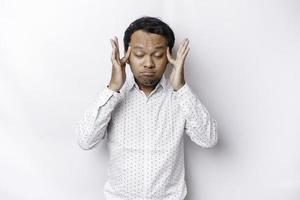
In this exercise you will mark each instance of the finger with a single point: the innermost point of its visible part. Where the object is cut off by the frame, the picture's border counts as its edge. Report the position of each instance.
(117, 42)
(179, 51)
(114, 60)
(117, 47)
(111, 42)
(113, 48)
(183, 46)
(185, 53)
(125, 58)
(184, 49)
(114, 57)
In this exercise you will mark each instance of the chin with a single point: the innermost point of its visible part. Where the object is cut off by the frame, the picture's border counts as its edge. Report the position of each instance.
(148, 82)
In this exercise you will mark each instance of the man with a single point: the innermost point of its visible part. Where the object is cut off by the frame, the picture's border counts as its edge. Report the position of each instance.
(145, 116)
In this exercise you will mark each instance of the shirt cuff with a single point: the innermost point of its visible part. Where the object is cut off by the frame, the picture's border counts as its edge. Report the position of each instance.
(183, 90)
(108, 94)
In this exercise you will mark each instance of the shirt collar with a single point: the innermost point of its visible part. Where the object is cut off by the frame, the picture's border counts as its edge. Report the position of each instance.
(132, 83)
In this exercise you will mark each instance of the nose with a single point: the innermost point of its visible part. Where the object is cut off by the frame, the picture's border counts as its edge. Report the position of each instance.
(148, 62)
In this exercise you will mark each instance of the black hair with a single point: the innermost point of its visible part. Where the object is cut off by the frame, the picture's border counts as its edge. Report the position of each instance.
(150, 25)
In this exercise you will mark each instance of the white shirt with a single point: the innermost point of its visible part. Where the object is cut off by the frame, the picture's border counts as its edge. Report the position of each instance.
(145, 138)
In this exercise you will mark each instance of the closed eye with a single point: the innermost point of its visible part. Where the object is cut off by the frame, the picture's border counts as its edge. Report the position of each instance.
(159, 56)
(139, 55)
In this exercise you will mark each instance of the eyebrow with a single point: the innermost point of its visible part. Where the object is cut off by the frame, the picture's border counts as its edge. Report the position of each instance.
(141, 47)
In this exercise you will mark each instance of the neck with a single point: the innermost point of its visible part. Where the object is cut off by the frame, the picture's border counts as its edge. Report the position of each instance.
(146, 89)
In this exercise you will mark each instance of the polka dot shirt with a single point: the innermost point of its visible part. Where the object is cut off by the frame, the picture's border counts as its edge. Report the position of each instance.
(145, 138)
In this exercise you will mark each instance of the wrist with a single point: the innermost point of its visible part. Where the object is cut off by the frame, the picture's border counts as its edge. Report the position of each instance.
(113, 87)
(179, 86)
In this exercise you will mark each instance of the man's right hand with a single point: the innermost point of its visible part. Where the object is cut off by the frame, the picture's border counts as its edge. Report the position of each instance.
(118, 75)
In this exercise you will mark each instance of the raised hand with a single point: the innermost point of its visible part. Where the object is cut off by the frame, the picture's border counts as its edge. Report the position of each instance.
(177, 74)
(118, 75)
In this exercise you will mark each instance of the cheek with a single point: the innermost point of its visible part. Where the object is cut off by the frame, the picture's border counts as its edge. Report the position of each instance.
(135, 64)
(135, 61)
(161, 62)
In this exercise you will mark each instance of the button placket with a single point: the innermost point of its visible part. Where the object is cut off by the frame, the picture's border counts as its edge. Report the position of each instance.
(144, 142)
(147, 143)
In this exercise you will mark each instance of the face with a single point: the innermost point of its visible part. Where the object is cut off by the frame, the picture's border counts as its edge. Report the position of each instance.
(148, 58)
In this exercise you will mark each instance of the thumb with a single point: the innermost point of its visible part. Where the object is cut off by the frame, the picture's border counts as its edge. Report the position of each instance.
(125, 58)
(170, 59)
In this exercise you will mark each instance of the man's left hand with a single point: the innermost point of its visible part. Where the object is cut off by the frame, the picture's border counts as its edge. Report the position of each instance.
(177, 74)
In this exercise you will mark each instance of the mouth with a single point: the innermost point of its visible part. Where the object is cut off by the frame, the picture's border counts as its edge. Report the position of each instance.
(148, 73)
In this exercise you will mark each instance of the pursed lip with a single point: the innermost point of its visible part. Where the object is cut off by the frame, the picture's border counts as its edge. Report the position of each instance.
(148, 73)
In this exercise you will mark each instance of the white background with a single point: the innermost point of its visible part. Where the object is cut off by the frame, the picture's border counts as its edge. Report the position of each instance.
(243, 65)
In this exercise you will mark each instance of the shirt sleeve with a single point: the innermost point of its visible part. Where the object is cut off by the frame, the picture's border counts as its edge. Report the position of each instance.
(199, 125)
(92, 127)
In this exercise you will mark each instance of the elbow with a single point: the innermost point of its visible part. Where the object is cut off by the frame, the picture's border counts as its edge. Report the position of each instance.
(213, 135)
(206, 138)
(83, 139)
(205, 142)
(209, 143)
(212, 143)
(84, 145)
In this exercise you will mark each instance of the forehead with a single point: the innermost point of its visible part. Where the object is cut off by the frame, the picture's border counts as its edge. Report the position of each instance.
(142, 39)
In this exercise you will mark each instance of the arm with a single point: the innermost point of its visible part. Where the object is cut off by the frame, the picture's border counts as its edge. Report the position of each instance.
(199, 126)
(92, 127)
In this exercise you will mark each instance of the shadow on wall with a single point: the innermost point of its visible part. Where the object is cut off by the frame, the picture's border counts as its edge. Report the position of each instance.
(219, 151)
